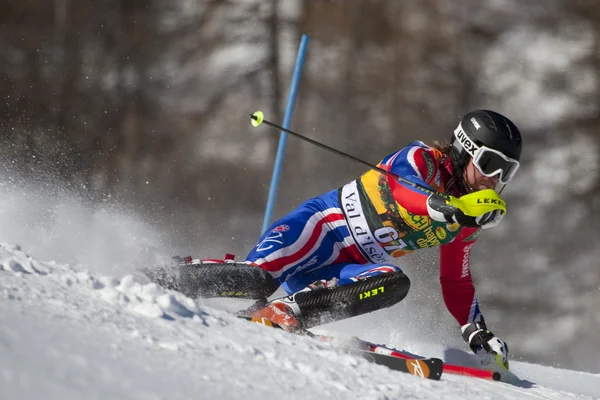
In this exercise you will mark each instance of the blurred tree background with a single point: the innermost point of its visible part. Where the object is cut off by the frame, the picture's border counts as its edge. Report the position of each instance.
(145, 102)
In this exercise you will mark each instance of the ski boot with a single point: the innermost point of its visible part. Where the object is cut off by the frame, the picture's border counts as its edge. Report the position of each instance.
(279, 314)
(284, 313)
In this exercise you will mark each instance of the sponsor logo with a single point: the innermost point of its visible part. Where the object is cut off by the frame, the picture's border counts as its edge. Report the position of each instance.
(383, 350)
(262, 321)
(312, 261)
(465, 142)
(430, 238)
(418, 368)
(465, 262)
(417, 222)
(490, 201)
(440, 233)
(234, 294)
(359, 227)
(371, 293)
(475, 123)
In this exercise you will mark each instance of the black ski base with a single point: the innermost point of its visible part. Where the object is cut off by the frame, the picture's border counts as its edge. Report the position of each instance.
(430, 368)
(215, 280)
(333, 304)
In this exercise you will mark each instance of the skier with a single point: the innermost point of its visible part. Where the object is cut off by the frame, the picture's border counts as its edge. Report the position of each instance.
(334, 252)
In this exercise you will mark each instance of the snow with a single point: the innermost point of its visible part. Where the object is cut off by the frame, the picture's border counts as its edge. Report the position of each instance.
(76, 322)
(69, 333)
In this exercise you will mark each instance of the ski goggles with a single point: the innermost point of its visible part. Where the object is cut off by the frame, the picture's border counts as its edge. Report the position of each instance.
(488, 161)
(491, 162)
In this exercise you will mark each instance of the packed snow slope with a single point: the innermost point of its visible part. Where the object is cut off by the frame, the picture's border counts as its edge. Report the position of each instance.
(68, 333)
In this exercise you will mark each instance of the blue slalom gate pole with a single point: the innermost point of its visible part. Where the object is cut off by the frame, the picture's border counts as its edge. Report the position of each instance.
(283, 136)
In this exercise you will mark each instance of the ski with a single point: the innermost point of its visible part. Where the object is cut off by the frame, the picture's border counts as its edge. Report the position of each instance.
(384, 353)
(225, 278)
(198, 278)
(329, 304)
(429, 368)
(325, 305)
(447, 368)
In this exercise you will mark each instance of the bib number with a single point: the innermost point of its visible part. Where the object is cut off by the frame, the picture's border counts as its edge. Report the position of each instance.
(386, 236)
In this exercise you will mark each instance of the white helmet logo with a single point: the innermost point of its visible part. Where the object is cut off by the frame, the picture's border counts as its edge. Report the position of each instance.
(475, 123)
(464, 141)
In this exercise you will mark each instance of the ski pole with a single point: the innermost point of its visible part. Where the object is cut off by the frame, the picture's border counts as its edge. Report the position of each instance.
(283, 137)
(258, 118)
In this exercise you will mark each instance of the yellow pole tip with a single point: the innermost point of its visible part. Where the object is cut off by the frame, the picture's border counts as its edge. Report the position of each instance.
(257, 118)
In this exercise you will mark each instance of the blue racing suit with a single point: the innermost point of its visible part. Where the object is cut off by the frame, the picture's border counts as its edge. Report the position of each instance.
(356, 231)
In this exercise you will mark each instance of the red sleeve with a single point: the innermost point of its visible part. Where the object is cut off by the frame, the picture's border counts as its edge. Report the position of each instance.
(414, 201)
(419, 164)
(455, 277)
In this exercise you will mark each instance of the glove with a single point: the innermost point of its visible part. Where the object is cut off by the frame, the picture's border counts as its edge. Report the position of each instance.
(489, 219)
(441, 210)
(480, 339)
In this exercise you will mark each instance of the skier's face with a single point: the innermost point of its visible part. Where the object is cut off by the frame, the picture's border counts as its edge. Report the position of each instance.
(477, 181)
